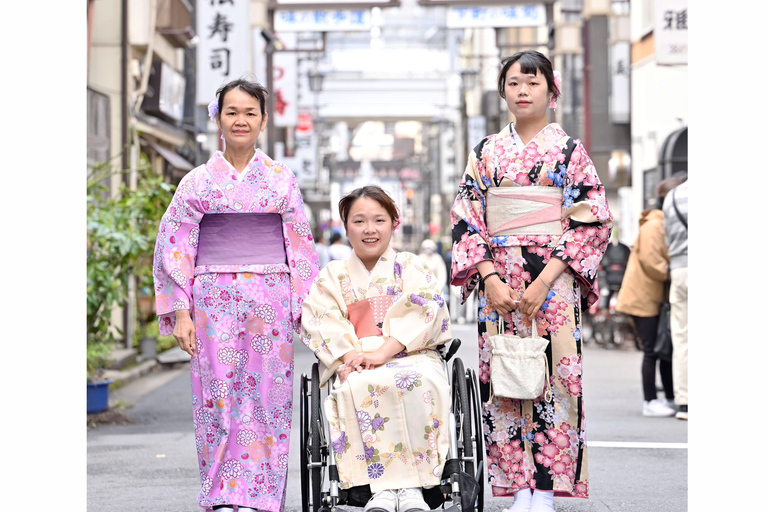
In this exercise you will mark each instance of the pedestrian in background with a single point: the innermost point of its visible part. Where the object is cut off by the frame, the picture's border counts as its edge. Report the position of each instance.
(435, 263)
(322, 249)
(641, 295)
(531, 223)
(676, 235)
(234, 258)
(338, 250)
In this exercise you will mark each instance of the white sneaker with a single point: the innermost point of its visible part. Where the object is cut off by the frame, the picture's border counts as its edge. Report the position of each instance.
(411, 500)
(657, 409)
(382, 501)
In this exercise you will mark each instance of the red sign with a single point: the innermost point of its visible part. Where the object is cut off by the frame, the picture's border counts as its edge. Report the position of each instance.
(304, 124)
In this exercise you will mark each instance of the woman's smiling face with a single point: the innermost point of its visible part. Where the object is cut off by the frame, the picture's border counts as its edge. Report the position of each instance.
(369, 229)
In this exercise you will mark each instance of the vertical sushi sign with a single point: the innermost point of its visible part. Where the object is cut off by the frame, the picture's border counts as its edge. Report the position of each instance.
(222, 53)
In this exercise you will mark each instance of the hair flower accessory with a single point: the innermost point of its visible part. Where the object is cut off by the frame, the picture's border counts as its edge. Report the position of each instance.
(213, 109)
(558, 81)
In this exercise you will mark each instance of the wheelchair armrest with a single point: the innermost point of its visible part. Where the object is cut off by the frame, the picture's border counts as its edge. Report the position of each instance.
(447, 353)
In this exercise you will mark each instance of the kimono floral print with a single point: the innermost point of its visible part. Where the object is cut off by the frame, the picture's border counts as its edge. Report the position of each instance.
(388, 425)
(534, 443)
(244, 316)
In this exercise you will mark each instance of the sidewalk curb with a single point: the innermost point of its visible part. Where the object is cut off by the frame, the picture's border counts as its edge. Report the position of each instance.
(122, 377)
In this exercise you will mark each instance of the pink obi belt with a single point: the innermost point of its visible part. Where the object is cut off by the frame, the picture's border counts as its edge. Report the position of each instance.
(241, 239)
(524, 211)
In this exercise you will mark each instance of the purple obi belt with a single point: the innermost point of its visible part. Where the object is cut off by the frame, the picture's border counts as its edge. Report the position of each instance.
(241, 239)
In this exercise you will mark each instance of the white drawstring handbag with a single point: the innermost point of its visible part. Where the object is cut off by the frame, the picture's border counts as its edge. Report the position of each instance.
(519, 366)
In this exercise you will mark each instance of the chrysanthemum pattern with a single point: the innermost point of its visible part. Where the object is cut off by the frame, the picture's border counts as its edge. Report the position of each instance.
(232, 305)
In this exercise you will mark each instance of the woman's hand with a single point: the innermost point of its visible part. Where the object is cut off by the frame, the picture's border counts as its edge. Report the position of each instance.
(501, 298)
(184, 331)
(533, 298)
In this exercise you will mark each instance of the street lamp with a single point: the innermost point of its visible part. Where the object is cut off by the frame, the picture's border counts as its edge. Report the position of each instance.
(316, 81)
(316, 85)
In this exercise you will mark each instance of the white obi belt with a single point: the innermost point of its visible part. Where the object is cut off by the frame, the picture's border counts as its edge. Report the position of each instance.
(524, 211)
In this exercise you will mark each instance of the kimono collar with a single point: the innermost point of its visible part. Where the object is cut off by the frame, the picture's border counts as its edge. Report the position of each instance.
(548, 136)
(223, 171)
(361, 278)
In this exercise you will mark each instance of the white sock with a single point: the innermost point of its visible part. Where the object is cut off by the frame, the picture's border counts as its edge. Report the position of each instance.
(543, 501)
(522, 501)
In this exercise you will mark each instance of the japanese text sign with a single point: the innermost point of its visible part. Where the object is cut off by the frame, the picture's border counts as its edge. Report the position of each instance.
(670, 31)
(222, 53)
(497, 16)
(324, 20)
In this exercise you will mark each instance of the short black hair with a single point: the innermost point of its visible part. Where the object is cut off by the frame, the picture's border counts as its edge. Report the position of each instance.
(531, 62)
(255, 89)
(335, 237)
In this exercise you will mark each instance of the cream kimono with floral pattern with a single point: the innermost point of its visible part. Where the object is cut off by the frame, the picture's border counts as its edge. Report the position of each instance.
(388, 425)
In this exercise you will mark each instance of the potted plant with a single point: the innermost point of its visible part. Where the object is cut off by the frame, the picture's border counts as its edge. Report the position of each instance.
(121, 238)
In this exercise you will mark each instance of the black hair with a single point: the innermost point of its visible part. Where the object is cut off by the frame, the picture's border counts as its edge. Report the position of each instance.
(374, 192)
(531, 62)
(335, 237)
(255, 89)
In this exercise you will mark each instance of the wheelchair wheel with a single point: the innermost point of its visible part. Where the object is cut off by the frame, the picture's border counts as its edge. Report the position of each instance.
(304, 456)
(316, 433)
(461, 410)
(468, 433)
(477, 434)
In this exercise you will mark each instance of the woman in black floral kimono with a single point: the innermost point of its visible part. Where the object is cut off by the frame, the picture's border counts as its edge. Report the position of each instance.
(530, 225)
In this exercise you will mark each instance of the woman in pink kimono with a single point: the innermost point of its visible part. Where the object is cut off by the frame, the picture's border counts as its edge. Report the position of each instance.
(233, 261)
(376, 319)
(530, 225)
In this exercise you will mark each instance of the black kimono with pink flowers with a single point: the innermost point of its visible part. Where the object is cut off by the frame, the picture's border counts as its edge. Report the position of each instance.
(534, 443)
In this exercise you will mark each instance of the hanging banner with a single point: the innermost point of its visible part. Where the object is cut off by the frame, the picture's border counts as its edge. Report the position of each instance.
(620, 99)
(533, 15)
(670, 31)
(337, 20)
(222, 52)
(285, 79)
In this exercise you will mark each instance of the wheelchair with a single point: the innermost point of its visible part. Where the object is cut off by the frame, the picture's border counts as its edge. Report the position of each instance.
(461, 485)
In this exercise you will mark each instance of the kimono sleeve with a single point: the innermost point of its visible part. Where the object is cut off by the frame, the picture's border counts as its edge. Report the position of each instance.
(175, 252)
(471, 242)
(325, 329)
(303, 261)
(419, 317)
(589, 222)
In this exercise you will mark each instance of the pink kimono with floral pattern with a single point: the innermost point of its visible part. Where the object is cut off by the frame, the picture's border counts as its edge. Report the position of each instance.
(245, 317)
(534, 443)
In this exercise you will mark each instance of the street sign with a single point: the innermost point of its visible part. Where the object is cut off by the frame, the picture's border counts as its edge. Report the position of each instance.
(489, 16)
(222, 52)
(322, 20)
(670, 31)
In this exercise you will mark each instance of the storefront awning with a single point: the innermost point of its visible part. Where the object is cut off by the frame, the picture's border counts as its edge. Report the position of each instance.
(170, 156)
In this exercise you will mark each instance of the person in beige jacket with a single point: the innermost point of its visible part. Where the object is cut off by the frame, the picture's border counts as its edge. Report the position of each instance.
(641, 294)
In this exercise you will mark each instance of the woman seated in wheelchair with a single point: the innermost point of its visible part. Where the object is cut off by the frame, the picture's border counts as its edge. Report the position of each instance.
(375, 320)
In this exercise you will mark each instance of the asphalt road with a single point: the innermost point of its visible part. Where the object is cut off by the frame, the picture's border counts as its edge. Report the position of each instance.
(635, 463)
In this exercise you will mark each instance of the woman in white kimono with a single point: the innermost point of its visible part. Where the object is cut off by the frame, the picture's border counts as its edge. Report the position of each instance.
(376, 319)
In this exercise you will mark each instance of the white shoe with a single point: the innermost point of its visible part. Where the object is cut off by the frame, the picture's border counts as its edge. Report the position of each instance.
(382, 501)
(411, 500)
(657, 409)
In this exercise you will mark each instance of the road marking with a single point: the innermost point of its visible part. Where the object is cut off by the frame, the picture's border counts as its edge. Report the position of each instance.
(619, 444)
